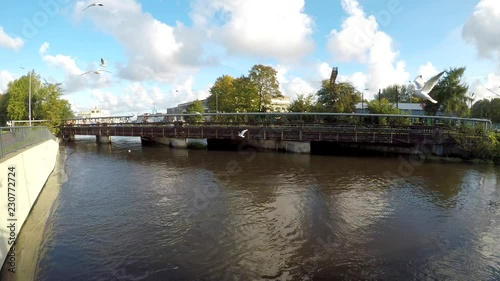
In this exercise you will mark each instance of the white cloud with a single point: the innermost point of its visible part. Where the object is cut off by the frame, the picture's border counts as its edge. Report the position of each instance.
(5, 78)
(427, 71)
(481, 29)
(360, 40)
(278, 29)
(10, 42)
(480, 88)
(73, 81)
(43, 48)
(154, 50)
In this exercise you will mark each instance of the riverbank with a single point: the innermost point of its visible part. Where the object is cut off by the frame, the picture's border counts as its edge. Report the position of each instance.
(35, 231)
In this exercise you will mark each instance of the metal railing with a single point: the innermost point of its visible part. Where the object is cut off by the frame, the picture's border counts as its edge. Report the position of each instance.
(13, 139)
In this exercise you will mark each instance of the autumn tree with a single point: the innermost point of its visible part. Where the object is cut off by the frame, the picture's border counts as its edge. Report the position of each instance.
(266, 83)
(341, 98)
(220, 94)
(450, 92)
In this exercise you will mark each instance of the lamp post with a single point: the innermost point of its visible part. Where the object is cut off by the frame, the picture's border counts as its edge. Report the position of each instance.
(29, 99)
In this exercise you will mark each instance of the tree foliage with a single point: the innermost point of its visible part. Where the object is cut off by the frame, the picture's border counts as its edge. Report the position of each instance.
(450, 92)
(46, 101)
(303, 103)
(486, 109)
(382, 107)
(342, 98)
(399, 93)
(195, 108)
(247, 93)
(266, 83)
(221, 93)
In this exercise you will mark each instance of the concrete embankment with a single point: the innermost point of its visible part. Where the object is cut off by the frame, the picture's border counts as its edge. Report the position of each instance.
(22, 177)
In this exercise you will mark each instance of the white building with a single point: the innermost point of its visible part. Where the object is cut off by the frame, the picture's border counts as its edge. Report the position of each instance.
(404, 108)
(93, 113)
(280, 104)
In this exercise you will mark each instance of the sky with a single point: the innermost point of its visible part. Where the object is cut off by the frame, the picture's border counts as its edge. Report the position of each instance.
(164, 52)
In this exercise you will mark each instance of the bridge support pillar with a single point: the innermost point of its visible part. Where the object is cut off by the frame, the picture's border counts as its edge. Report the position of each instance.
(294, 147)
(69, 137)
(197, 143)
(162, 140)
(103, 139)
(178, 143)
(264, 144)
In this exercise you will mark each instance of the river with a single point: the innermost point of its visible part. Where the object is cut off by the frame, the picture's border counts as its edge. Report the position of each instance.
(133, 212)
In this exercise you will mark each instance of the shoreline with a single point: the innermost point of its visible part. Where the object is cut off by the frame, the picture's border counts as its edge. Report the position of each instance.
(36, 229)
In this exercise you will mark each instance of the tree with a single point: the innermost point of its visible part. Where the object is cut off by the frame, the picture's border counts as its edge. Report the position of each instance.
(450, 92)
(341, 98)
(382, 107)
(245, 97)
(220, 94)
(4, 100)
(46, 102)
(481, 109)
(303, 103)
(266, 84)
(196, 107)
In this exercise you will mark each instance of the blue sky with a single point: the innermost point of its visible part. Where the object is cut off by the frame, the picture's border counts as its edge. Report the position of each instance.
(164, 52)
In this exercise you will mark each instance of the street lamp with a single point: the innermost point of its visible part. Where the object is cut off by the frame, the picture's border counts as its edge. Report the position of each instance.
(29, 99)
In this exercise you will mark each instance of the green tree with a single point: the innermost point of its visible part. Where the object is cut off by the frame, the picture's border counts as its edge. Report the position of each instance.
(4, 101)
(481, 109)
(221, 93)
(450, 92)
(342, 98)
(46, 102)
(303, 103)
(195, 108)
(245, 97)
(382, 107)
(266, 84)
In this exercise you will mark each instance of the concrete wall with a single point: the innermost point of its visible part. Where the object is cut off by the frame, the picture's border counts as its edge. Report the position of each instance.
(32, 167)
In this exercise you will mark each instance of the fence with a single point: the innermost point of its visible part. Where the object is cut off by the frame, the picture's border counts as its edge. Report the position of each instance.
(16, 138)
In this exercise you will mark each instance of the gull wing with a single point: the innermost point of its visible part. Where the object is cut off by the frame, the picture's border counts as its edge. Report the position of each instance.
(85, 73)
(244, 131)
(419, 82)
(431, 83)
(102, 61)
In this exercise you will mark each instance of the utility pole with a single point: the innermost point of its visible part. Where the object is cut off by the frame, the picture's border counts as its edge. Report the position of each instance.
(379, 95)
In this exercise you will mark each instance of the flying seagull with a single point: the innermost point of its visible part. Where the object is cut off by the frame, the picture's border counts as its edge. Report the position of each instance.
(242, 133)
(423, 90)
(92, 5)
(104, 62)
(98, 71)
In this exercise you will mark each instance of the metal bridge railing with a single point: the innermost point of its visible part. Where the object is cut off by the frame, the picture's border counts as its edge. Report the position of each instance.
(15, 138)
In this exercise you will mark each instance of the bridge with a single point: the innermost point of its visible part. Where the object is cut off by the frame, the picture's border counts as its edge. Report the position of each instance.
(292, 132)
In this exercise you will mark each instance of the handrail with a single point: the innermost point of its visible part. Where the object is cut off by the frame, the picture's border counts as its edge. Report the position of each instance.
(13, 139)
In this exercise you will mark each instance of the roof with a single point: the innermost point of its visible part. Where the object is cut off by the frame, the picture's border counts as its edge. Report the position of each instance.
(402, 105)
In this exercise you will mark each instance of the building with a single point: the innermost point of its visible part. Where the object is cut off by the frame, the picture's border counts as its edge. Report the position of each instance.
(404, 108)
(280, 104)
(93, 113)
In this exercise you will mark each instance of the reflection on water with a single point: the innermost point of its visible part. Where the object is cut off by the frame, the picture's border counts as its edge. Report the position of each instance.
(132, 212)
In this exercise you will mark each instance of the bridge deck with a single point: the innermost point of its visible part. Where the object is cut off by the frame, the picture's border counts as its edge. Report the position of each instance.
(339, 133)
